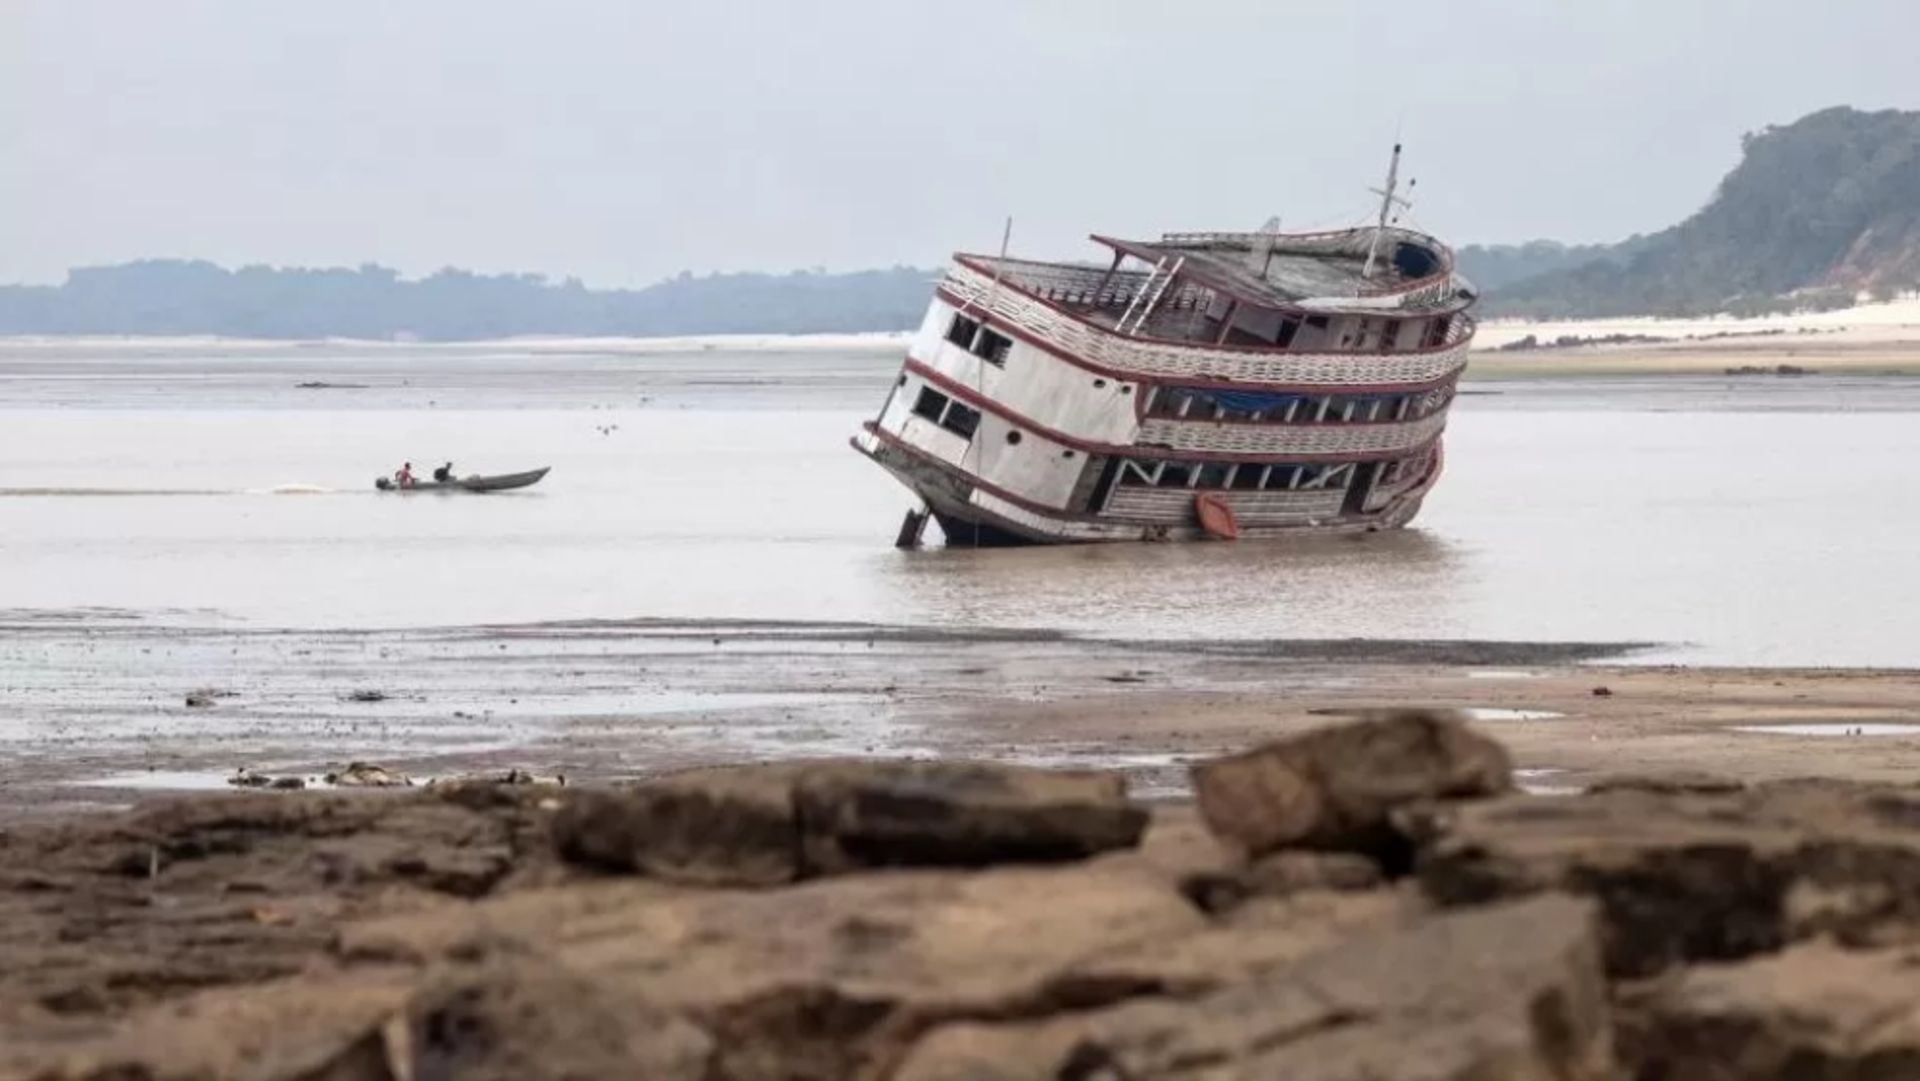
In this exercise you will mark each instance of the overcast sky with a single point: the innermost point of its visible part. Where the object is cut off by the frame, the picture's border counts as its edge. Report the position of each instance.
(624, 140)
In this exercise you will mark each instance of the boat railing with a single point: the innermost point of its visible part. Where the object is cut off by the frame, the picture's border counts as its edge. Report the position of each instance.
(1080, 337)
(1092, 287)
(1418, 293)
(1278, 439)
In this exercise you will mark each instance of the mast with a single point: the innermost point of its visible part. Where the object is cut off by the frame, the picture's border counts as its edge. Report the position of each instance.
(1389, 196)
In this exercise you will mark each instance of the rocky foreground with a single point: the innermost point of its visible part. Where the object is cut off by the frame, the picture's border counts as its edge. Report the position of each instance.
(1372, 901)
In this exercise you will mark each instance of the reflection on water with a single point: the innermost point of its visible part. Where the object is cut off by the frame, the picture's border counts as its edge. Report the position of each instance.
(1182, 590)
(1745, 521)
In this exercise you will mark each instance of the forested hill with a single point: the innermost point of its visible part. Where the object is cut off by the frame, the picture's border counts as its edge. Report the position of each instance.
(165, 297)
(1815, 212)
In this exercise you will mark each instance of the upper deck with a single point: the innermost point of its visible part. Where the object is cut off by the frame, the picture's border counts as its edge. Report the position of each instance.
(1321, 272)
(1251, 307)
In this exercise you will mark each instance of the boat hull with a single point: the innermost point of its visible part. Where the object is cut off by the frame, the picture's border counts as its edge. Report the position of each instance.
(501, 482)
(1060, 403)
(973, 515)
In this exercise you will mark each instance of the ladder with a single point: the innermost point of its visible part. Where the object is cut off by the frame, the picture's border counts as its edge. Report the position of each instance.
(1151, 290)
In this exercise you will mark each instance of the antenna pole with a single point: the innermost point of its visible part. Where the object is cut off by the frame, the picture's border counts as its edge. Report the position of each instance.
(1387, 199)
(999, 268)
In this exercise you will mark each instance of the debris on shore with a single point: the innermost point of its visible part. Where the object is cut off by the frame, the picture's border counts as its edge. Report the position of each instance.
(368, 775)
(1778, 369)
(247, 777)
(1368, 900)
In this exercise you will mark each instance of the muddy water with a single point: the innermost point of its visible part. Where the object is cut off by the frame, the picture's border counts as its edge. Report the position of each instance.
(1742, 521)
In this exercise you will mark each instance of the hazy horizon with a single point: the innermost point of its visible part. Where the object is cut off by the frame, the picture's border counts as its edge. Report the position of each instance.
(622, 143)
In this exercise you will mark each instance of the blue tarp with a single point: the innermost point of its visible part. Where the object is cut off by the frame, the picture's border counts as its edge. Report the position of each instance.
(1248, 401)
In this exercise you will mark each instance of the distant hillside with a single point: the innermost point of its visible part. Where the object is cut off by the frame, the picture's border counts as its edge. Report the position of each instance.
(1493, 267)
(178, 297)
(1816, 212)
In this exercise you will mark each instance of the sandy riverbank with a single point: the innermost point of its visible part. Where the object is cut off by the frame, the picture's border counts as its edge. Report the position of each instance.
(1872, 339)
(1811, 354)
(104, 722)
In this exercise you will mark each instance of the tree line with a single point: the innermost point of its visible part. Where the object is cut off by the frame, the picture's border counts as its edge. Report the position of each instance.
(172, 297)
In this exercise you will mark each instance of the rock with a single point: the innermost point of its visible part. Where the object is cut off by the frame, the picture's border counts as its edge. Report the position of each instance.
(959, 814)
(364, 696)
(1333, 788)
(472, 1022)
(1688, 876)
(827, 979)
(720, 827)
(1603, 692)
(104, 914)
(1815, 1011)
(368, 775)
(247, 777)
(1670, 782)
(1177, 846)
(759, 826)
(204, 697)
(1283, 874)
(1255, 938)
(1512, 992)
(289, 1030)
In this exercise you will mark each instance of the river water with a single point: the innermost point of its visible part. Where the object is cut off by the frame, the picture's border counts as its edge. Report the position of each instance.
(1731, 520)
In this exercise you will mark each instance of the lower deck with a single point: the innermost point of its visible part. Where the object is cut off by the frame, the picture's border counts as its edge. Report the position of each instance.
(1116, 501)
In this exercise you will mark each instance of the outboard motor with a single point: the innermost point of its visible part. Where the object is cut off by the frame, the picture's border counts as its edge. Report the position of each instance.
(383, 483)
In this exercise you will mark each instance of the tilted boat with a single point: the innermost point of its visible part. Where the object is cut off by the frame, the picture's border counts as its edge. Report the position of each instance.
(1202, 384)
(498, 483)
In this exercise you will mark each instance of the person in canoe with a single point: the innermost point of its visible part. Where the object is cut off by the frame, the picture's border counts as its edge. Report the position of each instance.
(444, 473)
(404, 478)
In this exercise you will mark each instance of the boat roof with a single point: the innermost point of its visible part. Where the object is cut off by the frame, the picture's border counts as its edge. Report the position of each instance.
(1297, 270)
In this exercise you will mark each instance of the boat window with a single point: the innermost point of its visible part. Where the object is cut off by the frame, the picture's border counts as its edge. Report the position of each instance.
(1317, 322)
(961, 420)
(1174, 475)
(962, 331)
(1247, 476)
(1213, 475)
(1413, 261)
(930, 404)
(992, 347)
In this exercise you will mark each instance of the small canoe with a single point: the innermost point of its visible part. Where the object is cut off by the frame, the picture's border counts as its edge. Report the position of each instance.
(499, 482)
(1216, 516)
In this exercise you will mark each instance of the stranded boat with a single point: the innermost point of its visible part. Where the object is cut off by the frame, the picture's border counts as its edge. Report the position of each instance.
(476, 483)
(1203, 384)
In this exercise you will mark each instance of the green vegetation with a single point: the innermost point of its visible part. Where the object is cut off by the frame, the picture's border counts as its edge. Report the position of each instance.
(1816, 212)
(179, 297)
(1494, 267)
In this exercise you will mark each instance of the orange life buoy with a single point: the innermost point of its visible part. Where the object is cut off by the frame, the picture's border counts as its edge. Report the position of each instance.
(1216, 516)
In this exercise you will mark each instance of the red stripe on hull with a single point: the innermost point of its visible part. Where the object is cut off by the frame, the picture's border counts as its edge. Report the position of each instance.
(956, 389)
(1021, 334)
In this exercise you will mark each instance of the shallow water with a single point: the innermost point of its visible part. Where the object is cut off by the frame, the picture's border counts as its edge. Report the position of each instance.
(1742, 521)
(1826, 730)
